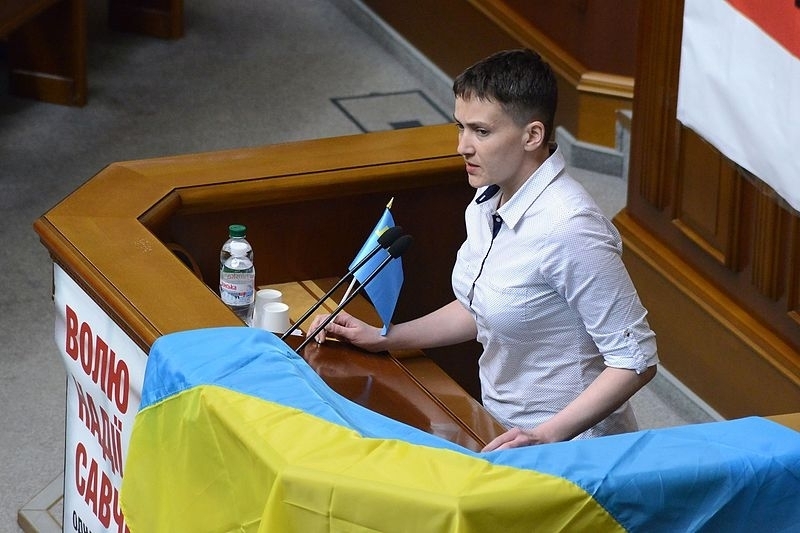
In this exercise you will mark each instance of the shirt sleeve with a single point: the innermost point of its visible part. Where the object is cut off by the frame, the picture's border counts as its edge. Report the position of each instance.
(584, 265)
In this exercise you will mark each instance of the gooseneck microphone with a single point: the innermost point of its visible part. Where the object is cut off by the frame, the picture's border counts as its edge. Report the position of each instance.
(395, 250)
(385, 241)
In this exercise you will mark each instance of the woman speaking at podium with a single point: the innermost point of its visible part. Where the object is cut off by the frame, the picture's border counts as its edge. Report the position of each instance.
(539, 280)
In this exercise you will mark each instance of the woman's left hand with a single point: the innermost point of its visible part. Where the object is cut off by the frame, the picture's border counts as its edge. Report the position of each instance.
(515, 438)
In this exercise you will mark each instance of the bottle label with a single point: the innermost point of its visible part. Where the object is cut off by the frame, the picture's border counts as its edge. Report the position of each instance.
(237, 288)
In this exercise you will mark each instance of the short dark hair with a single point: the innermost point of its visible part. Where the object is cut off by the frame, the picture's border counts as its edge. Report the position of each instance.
(519, 80)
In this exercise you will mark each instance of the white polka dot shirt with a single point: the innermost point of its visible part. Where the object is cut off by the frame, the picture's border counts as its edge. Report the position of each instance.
(552, 300)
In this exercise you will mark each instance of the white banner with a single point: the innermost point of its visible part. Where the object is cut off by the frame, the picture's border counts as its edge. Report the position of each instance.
(105, 369)
(740, 85)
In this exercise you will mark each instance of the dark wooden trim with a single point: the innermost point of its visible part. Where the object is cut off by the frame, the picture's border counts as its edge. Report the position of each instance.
(157, 18)
(47, 51)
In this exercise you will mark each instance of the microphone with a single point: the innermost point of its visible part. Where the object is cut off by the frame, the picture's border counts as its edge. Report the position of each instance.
(385, 240)
(395, 250)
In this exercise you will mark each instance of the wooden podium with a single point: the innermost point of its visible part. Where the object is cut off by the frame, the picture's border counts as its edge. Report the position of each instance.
(405, 386)
(142, 239)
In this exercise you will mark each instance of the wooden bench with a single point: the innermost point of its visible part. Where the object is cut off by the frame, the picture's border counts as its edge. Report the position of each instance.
(157, 18)
(47, 48)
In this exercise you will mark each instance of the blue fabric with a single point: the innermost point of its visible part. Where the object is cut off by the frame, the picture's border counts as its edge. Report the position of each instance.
(258, 363)
(740, 475)
(384, 289)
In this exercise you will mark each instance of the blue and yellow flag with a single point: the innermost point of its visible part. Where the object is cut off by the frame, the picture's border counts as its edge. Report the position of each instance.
(237, 433)
(384, 289)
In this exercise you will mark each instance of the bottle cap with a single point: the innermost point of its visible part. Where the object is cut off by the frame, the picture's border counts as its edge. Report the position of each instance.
(237, 230)
(239, 249)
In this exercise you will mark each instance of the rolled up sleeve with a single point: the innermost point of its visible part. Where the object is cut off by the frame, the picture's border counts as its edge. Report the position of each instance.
(633, 347)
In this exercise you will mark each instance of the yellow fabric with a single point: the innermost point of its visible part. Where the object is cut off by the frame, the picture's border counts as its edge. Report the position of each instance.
(212, 459)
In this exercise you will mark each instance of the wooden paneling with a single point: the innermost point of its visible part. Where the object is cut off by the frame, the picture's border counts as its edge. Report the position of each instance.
(651, 175)
(715, 347)
(591, 31)
(707, 198)
(716, 251)
(453, 34)
(793, 290)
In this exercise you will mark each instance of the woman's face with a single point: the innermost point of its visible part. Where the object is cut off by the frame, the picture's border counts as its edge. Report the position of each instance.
(494, 147)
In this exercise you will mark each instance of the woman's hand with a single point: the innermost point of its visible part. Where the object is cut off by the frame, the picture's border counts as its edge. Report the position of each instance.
(448, 325)
(515, 438)
(612, 388)
(347, 328)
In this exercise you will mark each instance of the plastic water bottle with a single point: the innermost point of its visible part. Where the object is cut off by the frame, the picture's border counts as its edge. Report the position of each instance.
(236, 233)
(237, 280)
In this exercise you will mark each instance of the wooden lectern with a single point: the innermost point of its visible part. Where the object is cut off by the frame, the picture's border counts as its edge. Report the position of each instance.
(142, 239)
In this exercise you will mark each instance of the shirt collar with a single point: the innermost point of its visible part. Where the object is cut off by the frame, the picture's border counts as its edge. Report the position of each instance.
(515, 207)
(487, 193)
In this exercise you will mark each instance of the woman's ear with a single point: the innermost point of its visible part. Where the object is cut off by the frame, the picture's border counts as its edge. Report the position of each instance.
(534, 135)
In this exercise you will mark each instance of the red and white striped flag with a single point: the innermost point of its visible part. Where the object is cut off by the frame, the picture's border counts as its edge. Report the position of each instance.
(740, 85)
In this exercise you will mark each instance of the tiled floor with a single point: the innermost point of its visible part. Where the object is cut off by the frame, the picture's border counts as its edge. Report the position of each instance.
(396, 110)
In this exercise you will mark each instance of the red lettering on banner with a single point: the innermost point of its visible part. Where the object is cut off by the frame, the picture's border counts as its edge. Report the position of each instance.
(71, 344)
(106, 429)
(98, 361)
(80, 462)
(93, 424)
(101, 361)
(83, 407)
(97, 490)
(90, 488)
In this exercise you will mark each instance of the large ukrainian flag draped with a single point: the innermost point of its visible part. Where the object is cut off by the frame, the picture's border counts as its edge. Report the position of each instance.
(237, 433)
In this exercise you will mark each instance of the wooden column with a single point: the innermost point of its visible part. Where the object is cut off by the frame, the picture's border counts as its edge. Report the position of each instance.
(714, 252)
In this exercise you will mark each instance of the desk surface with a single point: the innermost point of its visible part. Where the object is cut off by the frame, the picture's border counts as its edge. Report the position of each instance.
(790, 420)
(406, 386)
